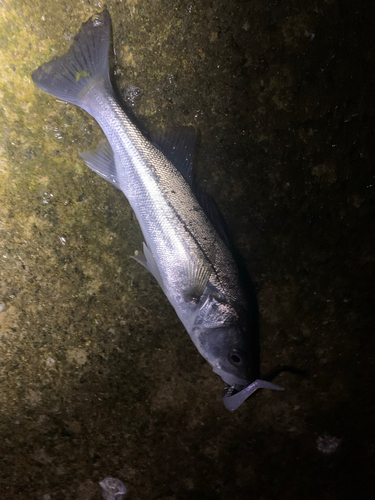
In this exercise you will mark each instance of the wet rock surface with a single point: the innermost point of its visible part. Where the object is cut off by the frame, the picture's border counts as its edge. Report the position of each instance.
(98, 377)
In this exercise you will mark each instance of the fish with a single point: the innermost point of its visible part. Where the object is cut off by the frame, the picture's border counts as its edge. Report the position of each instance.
(185, 247)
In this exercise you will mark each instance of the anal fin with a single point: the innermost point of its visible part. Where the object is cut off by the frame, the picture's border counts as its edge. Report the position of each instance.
(102, 161)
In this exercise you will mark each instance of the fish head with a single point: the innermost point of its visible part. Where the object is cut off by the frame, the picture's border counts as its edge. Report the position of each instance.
(222, 336)
(226, 349)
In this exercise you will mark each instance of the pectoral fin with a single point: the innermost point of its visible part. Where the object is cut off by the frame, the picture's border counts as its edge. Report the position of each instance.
(198, 274)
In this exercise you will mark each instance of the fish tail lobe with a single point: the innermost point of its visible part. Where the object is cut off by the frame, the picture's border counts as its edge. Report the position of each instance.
(87, 62)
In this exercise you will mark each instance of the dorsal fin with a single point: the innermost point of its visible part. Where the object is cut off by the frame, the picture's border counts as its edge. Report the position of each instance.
(213, 213)
(178, 147)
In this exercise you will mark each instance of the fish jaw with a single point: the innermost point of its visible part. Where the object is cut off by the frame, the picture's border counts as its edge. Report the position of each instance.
(229, 378)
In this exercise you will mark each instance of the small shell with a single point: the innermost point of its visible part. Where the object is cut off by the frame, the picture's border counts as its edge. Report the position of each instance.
(113, 489)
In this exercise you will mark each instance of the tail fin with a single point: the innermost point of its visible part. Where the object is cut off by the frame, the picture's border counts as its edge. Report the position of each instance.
(67, 76)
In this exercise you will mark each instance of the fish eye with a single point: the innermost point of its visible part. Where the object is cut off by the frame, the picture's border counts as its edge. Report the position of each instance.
(235, 358)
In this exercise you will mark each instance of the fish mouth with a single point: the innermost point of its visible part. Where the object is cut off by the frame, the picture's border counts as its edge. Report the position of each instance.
(230, 378)
(235, 395)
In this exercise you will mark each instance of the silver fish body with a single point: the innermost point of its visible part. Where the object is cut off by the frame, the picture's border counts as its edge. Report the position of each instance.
(182, 249)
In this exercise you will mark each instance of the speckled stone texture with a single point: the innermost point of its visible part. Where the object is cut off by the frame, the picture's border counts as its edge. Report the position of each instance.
(97, 376)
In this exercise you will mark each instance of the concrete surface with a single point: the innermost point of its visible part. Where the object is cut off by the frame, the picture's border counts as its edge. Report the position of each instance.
(97, 376)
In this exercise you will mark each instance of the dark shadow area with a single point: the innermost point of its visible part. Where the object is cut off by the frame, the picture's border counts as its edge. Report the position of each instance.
(98, 377)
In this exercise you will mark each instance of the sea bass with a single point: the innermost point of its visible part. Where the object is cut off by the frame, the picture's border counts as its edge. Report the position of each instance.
(183, 249)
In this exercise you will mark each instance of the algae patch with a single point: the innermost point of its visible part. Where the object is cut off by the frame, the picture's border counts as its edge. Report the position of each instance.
(81, 74)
